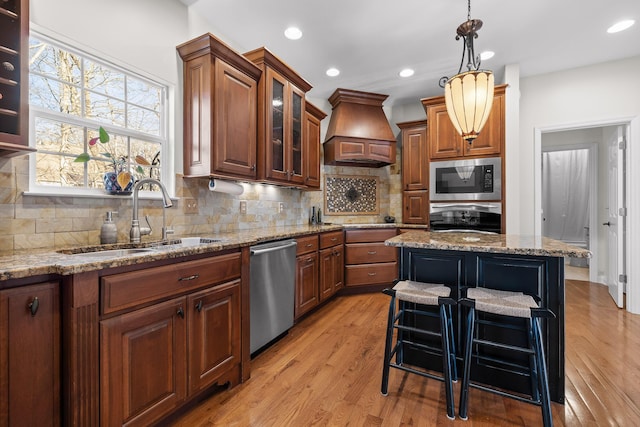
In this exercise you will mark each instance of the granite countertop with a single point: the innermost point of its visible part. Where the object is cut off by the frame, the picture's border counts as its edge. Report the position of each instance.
(67, 261)
(495, 243)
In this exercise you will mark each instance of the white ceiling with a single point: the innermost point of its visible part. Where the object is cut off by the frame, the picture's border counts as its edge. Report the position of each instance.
(370, 41)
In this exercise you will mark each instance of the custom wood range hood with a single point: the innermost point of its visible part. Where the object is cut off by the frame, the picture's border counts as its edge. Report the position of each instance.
(359, 133)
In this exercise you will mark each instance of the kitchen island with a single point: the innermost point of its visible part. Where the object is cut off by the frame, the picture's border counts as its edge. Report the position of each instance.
(530, 264)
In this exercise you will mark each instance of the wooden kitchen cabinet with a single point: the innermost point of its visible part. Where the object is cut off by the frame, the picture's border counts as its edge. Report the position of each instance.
(307, 269)
(415, 172)
(415, 207)
(14, 78)
(367, 260)
(312, 144)
(444, 141)
(30, 356)
(169, 332)
(331, 263)
(281, 120)
(220, 110)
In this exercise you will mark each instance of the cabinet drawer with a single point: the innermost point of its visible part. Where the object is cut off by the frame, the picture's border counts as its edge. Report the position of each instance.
(306, 244)
(370, 235)
(126, 290)
(371, 274)
(332, 238)
(366, 253)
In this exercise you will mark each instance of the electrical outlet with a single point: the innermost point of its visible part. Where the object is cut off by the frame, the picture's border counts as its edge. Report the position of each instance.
(191, 206)
(280, 207)
(243, 207)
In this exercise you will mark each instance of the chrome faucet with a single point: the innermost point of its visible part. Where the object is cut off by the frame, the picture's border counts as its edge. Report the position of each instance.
(136, 231)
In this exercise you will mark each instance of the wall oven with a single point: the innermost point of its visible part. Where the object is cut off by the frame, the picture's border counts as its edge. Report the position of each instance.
(472, 179)
(473, 216)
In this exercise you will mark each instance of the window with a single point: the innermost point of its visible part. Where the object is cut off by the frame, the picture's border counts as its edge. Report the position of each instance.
(72, 95)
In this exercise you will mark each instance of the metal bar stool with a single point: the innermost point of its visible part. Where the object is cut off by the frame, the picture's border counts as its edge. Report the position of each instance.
(511, 304)
(410, 294)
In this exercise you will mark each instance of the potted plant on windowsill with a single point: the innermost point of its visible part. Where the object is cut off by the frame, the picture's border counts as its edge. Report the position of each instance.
(119, 181)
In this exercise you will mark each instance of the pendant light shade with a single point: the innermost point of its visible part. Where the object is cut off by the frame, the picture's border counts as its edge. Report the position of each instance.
(468, 97)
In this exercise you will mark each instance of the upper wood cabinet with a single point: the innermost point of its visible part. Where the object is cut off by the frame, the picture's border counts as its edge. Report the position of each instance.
(415, 155)
(311, 147)
(281, 120)
(445, 142)
(14, 78)
(220, 110)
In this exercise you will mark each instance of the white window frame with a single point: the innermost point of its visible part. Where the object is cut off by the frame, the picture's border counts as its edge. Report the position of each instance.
(165, 140)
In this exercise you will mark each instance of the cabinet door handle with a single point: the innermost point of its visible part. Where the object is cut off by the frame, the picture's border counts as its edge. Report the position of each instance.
(180, 312)
(372, 252)
(34, 305)
(253, 167)
(372, 274)
(199, 306)
(186, 278)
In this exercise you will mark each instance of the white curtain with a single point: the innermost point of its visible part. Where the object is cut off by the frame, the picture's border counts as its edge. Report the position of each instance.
(565, 195)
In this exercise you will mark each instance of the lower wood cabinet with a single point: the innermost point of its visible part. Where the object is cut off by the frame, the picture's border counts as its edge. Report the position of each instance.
(331, 263)
(306, 292)
(156, 357)
(367, 260)
(30, 356)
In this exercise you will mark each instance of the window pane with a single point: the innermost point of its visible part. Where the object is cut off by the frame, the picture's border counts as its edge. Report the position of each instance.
(105, 80)
(143, 94)
(150, 152)
(104, 109)
(54, 96)
(59, 171)
(54, 62)
(59, 137)
(143, 120)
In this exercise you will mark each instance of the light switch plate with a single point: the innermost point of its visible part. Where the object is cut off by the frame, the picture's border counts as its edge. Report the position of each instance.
(243, 206)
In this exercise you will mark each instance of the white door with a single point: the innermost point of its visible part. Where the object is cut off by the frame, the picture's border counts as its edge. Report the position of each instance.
(615, 222)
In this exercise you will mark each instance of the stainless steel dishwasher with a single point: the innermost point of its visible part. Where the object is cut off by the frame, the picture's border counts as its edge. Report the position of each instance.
(272, 287)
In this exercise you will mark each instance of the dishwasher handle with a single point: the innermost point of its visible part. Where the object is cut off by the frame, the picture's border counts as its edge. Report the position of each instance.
(272, 249)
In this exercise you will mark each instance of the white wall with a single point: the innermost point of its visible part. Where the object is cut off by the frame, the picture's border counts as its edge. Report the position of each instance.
(596, 93)
(140, 35)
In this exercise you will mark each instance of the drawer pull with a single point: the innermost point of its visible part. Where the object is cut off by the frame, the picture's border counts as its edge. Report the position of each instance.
(309, 245)
(372, 274)
(192, 277)
(333, 239)
(34, 305)
(372, 252)
(309, 260)
(180, 312)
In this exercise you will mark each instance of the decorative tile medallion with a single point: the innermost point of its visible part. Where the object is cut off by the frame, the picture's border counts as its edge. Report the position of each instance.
(351, 195)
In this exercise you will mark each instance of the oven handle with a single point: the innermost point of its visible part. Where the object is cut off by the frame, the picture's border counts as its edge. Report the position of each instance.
(482, 207)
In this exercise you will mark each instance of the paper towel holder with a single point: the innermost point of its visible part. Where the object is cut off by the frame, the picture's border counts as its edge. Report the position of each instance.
(225, 187)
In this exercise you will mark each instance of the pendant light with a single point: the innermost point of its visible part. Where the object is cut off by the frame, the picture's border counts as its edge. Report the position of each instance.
(469, 95)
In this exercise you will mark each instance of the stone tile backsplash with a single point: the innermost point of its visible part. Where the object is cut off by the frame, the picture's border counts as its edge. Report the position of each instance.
(48, 222)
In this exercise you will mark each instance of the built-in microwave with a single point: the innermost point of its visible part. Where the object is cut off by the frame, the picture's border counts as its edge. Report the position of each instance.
(469, 179)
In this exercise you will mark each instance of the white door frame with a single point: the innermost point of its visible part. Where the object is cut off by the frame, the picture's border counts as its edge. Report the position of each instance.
(593, 198)
(632, 200)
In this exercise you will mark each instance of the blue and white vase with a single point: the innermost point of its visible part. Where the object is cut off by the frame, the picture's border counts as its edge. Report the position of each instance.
(112, 186)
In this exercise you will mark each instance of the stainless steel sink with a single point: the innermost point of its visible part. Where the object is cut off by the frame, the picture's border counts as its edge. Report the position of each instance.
(113, 253)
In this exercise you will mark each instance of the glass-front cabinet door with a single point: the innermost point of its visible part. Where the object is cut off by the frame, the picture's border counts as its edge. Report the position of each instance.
(284, 151)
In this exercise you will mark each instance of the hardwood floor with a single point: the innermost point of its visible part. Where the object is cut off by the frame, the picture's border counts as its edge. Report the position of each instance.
(327, 372)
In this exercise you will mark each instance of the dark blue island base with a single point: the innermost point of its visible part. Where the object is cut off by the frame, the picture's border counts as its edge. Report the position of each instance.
(541, 276)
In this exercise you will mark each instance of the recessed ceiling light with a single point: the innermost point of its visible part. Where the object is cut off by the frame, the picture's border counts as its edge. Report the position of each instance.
(407, 72)
(333, 72)
(620, 26)
(293, 33)
(487, 54)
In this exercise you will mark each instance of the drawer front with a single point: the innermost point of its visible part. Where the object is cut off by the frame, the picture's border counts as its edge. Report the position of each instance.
(367, 253)
(306, 244)
(371, 274)
(369, 235)
(126, 290)
(331, 239)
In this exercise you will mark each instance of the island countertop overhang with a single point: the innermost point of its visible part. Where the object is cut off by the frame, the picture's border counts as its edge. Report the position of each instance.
(492, 243)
